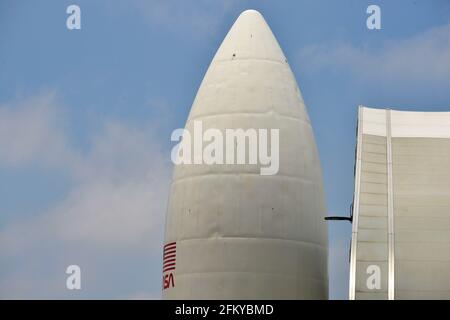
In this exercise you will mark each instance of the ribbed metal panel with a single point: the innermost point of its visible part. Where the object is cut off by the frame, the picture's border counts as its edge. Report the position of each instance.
(403, 214)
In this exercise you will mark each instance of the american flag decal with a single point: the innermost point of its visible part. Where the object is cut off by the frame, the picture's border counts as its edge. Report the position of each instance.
(169, 264)
(170, 255)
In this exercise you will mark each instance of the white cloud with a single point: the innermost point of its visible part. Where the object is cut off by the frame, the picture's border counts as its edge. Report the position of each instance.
(114, 210)
(32, 130)
(423, 58)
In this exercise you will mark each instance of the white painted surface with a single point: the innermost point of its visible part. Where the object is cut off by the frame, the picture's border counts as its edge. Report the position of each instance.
(407, 123)
(241, 235)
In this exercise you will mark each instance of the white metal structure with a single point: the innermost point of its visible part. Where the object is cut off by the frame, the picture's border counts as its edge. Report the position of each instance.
(401, 215)
(232, 233)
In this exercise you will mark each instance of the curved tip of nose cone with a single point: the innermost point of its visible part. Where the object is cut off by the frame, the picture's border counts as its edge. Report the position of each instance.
(251, 12)
(250, 37)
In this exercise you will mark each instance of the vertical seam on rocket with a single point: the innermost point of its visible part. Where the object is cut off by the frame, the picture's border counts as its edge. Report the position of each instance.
(390, 199)
(352, 284)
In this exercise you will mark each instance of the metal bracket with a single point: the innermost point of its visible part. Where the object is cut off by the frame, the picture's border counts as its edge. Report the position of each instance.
(340, 218)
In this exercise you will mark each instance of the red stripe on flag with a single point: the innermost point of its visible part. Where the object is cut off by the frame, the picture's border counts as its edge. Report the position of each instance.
(171, 247)
(170, 244)
(170, 252)
(169, 264)
(170, 256)
(168, 261)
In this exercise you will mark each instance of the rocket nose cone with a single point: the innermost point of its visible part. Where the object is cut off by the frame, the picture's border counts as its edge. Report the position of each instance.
(230, 224)
(251, 12)
(250, 37)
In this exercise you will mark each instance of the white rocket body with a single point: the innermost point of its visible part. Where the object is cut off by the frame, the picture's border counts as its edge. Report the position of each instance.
(232, 233)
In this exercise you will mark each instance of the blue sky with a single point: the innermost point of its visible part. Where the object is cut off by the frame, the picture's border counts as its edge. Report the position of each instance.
(86, 117)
